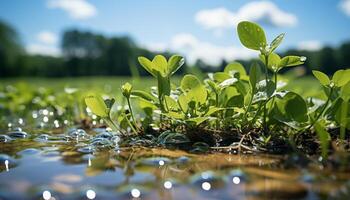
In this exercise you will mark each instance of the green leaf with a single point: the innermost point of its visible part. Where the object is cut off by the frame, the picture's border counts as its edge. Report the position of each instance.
(251, 35)
(235, 67)
(194, 89)
(341, 77)
(97, 105)
(171, 104)
(323, 78)
(175, 62)
(292, 108)
(183, 102)
(345, 91)
(290, 61)
(147, 65)
(276, 42)
(324, 137)
(274, 61)
(212, 110)
(221, 76)
(254, 76)
(161, 65)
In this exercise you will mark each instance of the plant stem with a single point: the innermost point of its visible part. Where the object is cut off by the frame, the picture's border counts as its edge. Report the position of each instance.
(343, 119)
(266, 79)
(248, 108)
(323, 109)
(132, 114)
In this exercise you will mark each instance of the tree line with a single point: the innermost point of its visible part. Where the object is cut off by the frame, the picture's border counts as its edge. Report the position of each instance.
(89, 54)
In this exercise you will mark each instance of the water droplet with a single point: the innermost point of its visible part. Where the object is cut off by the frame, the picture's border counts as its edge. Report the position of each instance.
(90, 194)
(206, 186)
(161, 162)
(135, 193)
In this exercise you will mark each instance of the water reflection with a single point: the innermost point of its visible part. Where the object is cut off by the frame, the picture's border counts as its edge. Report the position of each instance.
(94, 165)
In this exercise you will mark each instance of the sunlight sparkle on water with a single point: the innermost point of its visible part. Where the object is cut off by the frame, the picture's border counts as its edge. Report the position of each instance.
(161, 162)
(135, 193)
(7, 165)
(46, 195)
(236, 180)
(90, 194)
(168, 185)
(206, 186)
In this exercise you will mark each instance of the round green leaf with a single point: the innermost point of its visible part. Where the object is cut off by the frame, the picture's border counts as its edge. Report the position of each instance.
(96, 105)
(251, 35)
(323, 78)
(235, 67)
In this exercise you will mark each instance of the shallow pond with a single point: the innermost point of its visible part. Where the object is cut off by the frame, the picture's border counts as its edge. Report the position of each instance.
(75, 164)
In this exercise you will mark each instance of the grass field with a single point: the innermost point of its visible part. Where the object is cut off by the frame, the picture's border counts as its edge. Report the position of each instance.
(306, 86)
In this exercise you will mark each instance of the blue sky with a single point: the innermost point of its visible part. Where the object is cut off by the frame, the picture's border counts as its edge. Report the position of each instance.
(197, 28)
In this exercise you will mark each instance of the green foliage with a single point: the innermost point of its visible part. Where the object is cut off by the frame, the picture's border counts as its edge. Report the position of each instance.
(233, 99)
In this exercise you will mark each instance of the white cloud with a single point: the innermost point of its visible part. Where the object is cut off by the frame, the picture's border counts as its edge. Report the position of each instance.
(46, 44)
(193, 49)
(311, 45)
(77, 9)
(345, 7)
(258, 11)
(47, 37)
(41, 49)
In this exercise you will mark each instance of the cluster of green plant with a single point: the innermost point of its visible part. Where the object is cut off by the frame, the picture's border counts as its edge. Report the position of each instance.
(231, 99)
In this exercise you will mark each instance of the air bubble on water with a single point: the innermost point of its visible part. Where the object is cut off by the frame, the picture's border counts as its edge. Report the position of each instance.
(302, 58)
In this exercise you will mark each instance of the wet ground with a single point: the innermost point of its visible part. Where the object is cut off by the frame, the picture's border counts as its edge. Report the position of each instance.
(74, 164)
